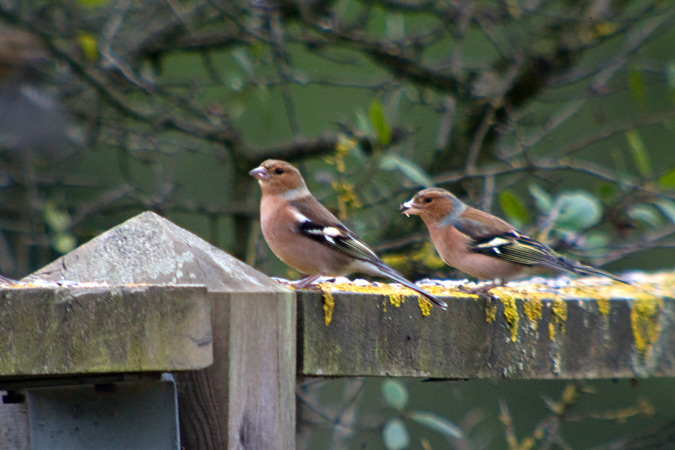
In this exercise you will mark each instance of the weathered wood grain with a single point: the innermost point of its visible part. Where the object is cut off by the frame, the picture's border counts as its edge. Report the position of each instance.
(257, 333)
(608, 332)
(246, 398)
(14, 426)
(79, 330)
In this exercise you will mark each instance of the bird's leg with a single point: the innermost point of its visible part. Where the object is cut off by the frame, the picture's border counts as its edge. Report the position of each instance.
(306, 282)
(485, 288)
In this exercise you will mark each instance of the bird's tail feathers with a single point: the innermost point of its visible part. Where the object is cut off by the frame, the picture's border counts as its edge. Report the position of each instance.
(583, 269)
(388, 272)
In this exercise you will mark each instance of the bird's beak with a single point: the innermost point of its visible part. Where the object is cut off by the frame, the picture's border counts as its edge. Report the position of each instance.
(260, 173)
(408, 208)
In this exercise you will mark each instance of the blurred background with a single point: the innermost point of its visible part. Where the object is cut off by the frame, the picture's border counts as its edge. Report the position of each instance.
(556, 115)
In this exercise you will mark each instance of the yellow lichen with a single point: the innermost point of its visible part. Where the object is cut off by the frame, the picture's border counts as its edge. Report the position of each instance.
(328, 306)
(511, 315)
(644, 317)
(532, 309)
(551, 331)
(490, 311)
(425, 305)
(603, 306)
(396, 299)
(395, 294)
(558, 318)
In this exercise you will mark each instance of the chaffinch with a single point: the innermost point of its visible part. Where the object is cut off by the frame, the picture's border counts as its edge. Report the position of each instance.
(485, 246)
(308, 237)
(31, 118)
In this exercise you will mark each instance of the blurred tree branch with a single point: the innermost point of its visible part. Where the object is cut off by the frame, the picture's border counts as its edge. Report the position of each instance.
(154, 81)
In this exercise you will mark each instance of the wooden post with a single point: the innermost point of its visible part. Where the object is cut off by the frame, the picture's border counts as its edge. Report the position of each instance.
(591, 328)
(246, 399)
(244, 325)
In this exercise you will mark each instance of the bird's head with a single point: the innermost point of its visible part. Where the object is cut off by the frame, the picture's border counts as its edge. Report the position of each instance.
(431, 204)
(279, 178)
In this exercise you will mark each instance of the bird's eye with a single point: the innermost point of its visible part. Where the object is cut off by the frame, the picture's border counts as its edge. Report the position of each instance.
(278, 170)
(428, 200)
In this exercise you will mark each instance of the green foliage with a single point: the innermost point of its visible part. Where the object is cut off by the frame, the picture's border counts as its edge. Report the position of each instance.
(640, 154)
(667, 208)
(542, 199)
(371, 101)
(637, 86)
(92, 3)
(89, 45)
(395, 393)
(171, 118)
(670, 76)
(408, 168)
(395, 434)
(577, 210)
(667, 180)
(646, 213)
(436, 423)
(379, 123)
(514, 208)
(59, 222)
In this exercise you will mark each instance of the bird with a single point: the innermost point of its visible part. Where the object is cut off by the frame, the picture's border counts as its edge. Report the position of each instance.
(485, 246)
(303, 234)
(32, 121)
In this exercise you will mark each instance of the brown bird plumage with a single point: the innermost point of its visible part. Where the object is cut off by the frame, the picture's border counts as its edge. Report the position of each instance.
(482, 245)
(308, 237)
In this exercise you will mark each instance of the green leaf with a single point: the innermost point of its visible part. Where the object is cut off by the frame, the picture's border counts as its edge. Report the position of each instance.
(578, 210)
(542, 199)
(670, 77)
(395, 435)
(88, 45)
(595, 244)
(667, 207)
(410, 169)
(645, 213)
(607, 191)
(513, 207)
(63, 242)
(668, 180)
(56, 219)
(395, 23)
(636, 83)
(437, 423)
(92, 3)
(640, 154)
(362, 123)
(379, 123)
(243, 59)
(395, 393)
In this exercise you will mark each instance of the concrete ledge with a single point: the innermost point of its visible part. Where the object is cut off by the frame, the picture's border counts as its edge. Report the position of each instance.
(77, 330)
(588, 328)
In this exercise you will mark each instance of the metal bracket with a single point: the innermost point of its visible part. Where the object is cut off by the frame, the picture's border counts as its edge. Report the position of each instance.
(132, 414)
